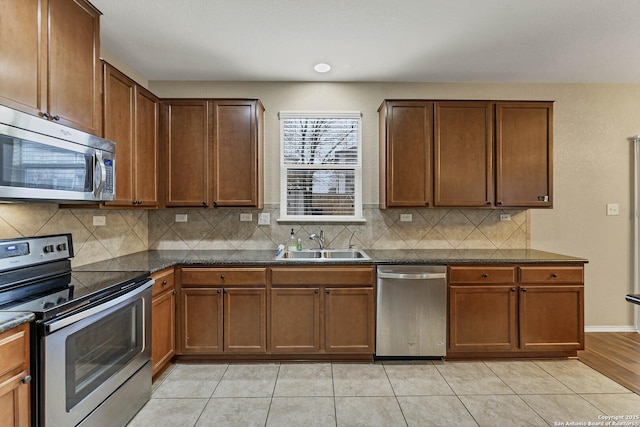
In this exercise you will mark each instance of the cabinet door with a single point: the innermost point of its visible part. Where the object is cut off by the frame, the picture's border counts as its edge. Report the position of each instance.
(14, 401)
(14, 377)
(187, 150)
(23, 51)
(245, 320)
(482, 318)
(146, 148)
(407, 153)
(236, 153)
(524, 133)
(163, 309)
(119, 91)
(551, 317)
(349, 320)
(463, 154)
(201, 320)
(295, 320)
(74, 71)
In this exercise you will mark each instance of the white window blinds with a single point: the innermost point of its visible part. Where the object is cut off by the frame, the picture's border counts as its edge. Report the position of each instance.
(321, 166)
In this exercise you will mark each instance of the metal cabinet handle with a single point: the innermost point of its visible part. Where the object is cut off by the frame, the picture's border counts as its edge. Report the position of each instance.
(46, 115)
(56, 117)
(315, 291)
(26, 380)
(524, 289)
(164, 283)
(513, 289)
(554, 275)
(225, 291)
(327, 291)
(204, 203)
(218, 291)
(174, 292)
(222, 276)
(485, 275)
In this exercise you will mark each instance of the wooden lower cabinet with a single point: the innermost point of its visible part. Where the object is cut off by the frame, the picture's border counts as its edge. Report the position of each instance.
(540, 312)
(349, 320)
(163, 320)
(322, 310)
(295, 320)
(223, 310)
(14, 377)
(482, 318)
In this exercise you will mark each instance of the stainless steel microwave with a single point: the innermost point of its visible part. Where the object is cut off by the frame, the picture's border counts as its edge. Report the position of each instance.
(43, 160)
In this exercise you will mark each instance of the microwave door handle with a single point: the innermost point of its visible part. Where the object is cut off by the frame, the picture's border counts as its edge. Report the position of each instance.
(100, 175)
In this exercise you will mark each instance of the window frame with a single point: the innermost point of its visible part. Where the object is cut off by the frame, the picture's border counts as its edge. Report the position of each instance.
(356, 167)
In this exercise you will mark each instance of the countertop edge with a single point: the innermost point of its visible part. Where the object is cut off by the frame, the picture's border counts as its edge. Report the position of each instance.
(12, 319)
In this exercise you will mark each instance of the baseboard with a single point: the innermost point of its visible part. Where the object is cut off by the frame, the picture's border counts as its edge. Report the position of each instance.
(611, 329)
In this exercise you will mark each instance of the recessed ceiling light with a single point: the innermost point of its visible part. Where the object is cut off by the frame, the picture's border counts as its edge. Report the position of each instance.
(322, 67)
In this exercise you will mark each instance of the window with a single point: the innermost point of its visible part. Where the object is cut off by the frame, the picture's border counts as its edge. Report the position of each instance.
(321, 166)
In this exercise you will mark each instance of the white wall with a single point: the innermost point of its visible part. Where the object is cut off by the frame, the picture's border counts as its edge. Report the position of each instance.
(592, 163)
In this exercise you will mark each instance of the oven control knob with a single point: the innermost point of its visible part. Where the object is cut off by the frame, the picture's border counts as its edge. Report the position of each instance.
(47, 305)
(48, 249)
(61, 247)
(61, 300)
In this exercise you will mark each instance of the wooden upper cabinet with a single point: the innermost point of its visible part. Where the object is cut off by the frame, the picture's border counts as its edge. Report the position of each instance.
(186, 128)
(406, 132)
(53, 47)
(119, 106)
(131, 120)
(237, 153)
(524, 141)
(214, 152)
(463, 154)
(146, 148)
(23, 52)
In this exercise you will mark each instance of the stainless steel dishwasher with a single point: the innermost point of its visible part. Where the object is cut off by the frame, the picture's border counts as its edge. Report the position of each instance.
(411, 311)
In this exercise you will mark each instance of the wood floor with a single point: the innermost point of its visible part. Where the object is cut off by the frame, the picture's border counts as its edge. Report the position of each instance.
(614, 354)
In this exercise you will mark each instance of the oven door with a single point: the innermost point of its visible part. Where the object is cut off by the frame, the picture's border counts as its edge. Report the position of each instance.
(89, 355)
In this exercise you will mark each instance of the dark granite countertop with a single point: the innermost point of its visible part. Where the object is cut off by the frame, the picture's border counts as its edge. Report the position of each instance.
(156, 260)
(9, 319)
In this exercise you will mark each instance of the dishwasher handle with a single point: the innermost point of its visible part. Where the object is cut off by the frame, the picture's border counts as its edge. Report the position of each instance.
(411, 276)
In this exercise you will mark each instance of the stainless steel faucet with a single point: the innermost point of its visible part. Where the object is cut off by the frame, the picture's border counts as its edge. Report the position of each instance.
(319, 239)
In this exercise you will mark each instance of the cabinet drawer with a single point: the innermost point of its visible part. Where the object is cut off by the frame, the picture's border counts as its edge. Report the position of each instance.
(223, 276)
(164, 280)
(488, 274)
(322, 276)
(546, 274)
(13, 349)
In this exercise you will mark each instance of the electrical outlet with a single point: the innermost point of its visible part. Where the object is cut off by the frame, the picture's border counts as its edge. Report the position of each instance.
(99, 220)
(406, 217)
(613, 209)
(505, 217)
(246, 217)
(264, 218)
(181, 218)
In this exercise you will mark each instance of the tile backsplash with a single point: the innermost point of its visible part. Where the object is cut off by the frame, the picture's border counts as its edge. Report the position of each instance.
(429, 229)
(129, 231)
(125, 232)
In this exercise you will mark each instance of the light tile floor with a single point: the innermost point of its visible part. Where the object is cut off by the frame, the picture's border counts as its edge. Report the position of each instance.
(389, 394)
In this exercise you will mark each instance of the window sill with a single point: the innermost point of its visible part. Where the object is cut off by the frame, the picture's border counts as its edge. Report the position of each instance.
(320, 219)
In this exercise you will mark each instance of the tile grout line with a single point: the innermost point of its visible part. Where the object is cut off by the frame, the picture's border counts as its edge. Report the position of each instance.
(384, 368)
(273, 392)
(455, 393)
(335, 404)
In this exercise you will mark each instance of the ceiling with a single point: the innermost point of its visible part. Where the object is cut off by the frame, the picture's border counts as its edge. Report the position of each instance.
(376, 40)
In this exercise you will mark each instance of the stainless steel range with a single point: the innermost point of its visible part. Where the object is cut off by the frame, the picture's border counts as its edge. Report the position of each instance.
(91, 341)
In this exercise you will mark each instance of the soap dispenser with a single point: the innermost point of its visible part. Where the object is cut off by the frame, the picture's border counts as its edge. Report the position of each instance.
(293, 243)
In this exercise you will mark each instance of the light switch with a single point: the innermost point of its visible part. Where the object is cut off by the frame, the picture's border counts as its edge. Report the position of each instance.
(613, 209)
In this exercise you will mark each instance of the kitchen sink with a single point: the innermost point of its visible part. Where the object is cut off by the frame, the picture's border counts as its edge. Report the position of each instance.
(324, 255)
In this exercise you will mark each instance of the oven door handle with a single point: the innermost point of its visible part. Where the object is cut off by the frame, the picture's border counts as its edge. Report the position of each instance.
(57, 325)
